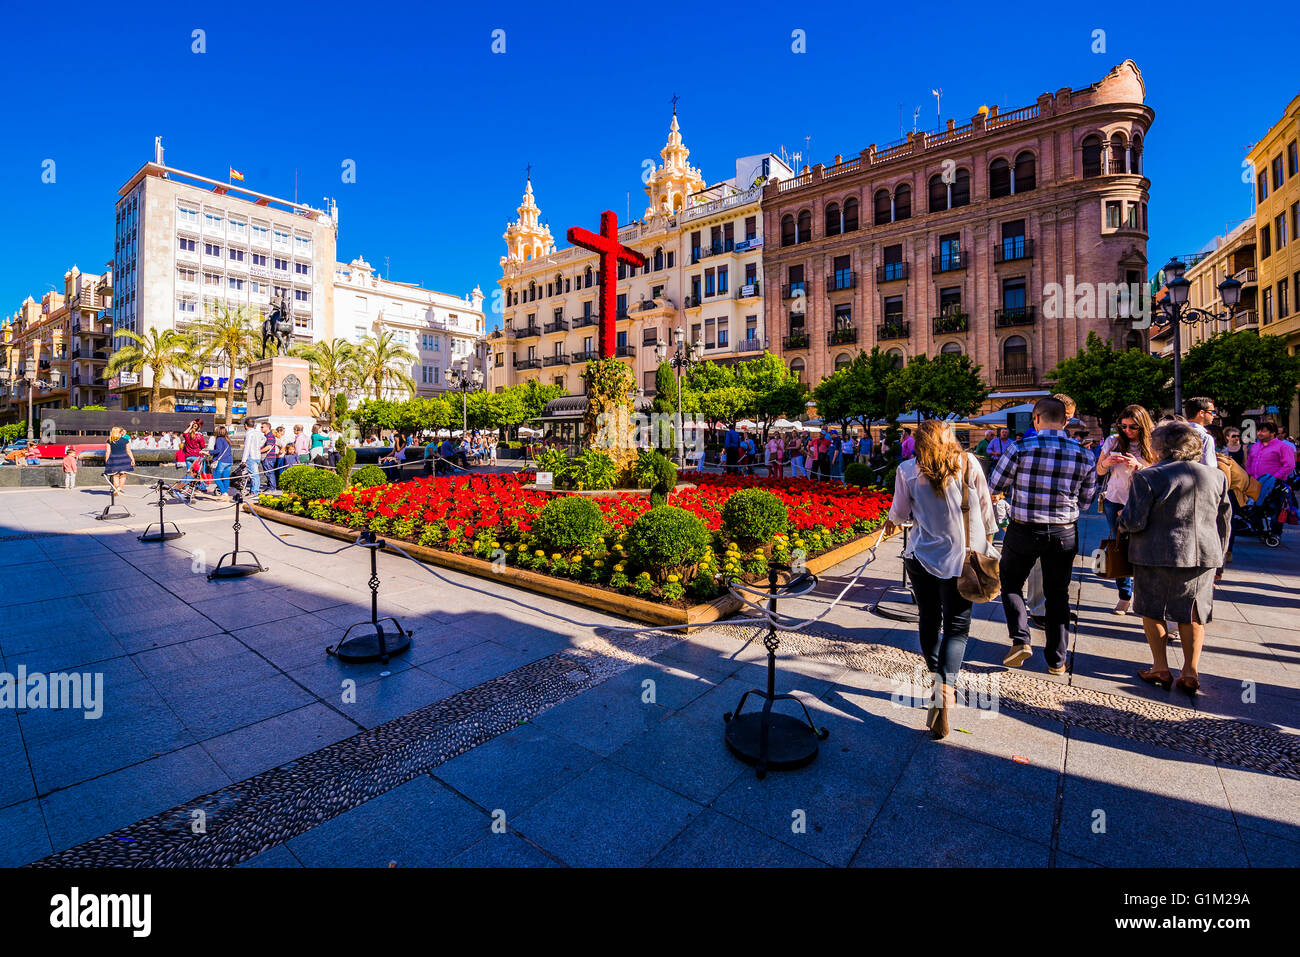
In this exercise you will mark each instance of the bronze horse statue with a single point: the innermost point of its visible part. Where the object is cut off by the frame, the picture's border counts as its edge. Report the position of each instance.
(278, 327)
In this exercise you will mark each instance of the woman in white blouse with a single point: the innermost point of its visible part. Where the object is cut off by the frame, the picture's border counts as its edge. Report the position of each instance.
(928, 492)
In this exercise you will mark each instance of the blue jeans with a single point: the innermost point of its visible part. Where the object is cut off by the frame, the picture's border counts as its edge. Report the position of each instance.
(943, 622)
(191, 474)
(268, 468)
(254, 478)
(221, 477)
(1125, 585)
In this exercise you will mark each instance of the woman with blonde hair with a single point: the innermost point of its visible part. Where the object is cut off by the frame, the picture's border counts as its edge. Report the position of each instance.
(1122, 456)
(118, 458)
(943, 492)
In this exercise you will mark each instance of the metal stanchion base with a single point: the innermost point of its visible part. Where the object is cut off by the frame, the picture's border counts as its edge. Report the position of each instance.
(791, 742)
(376, 645)
(105, 515)
(897, 603)
(235, 569)
(162, 535)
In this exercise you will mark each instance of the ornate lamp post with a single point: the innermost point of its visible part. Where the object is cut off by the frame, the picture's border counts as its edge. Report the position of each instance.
(465, 380)
(10, 378)
(1176, 312)
(681, 358)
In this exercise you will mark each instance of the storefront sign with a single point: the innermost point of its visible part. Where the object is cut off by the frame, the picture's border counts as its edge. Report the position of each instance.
(207, 382)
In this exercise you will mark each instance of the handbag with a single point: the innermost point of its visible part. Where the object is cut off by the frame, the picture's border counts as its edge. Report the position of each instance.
(979, 580)
(1114, 558)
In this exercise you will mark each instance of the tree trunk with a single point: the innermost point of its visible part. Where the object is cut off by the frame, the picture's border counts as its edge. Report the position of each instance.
(230, 397)
(155, 396)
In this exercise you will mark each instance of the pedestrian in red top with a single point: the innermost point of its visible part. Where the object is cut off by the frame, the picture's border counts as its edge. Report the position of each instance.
(194, 447)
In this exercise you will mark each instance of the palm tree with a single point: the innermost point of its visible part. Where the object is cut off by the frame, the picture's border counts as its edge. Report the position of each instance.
(226, 335)
(331, 371)
(160, 352)
(382, 362)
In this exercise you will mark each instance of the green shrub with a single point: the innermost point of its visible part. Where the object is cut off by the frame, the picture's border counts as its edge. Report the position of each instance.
(311, 482)
(593, 469)
(654, 471)
(347, 459)
(569, 524)
(859, 473)
(754, 516)
(555, 462)
(368, 476)
(666, 539)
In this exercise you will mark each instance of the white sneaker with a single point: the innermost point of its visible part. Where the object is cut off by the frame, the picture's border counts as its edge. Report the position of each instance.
(1122, 606)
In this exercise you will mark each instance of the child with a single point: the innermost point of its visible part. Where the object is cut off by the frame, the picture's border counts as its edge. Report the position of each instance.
(70, 468)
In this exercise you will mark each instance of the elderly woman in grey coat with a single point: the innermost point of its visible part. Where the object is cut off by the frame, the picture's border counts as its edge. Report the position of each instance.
(1178, 516)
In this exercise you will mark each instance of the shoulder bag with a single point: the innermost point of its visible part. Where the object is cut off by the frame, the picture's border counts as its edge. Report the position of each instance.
(979, 580)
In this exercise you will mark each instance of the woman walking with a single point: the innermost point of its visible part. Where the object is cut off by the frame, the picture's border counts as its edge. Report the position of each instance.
(223, 456)
(1122, 456)
(118, 458)
(1177, 516)
(775, 456)
(940, 490)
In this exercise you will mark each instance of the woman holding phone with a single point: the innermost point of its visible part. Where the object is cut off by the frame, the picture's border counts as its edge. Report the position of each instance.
(1122, 456)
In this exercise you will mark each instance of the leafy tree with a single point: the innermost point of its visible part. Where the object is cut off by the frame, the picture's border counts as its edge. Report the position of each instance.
(535, 396)
(381, 362)
(226, 334)
(942, 386)
(331, 374)
(857, 392)
(339, 410)
(1240, 371)
(787, 400)
(1103, 380)
(728, 405)
(665, 389)
(161, 353)
(707, 376)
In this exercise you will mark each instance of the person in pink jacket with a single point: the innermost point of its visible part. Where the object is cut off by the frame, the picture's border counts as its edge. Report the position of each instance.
(1270, 455)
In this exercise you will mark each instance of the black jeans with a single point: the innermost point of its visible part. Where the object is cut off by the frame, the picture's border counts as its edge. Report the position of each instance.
(1055, 546)
(939, 603)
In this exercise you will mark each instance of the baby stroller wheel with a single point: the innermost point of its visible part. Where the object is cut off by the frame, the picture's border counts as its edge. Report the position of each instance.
(1272, 541)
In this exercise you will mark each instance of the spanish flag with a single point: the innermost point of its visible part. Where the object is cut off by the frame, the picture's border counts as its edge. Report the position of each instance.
(236, 174)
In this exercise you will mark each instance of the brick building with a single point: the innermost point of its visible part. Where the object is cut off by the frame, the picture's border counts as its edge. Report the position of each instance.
(1008, 239)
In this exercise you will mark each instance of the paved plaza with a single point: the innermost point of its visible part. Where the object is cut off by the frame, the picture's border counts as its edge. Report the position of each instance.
(522, 731)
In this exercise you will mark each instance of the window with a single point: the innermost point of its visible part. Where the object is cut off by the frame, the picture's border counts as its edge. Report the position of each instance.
(843, 276)
(893, 310)
(302, 245)
(1278, 178)
(1283, 304)
(751, 226)
(301, 295)
(751, 328)
(1024, 176)
(235, 283)
(944, 195)
(261, 234)
(708, 283)
(950, 300)
(211, 249)
(236, 255)
(282, 264)
(884, 207)
(722, 280)
(950, 251)
(1091, 153)
(211, 279)
(1013, 296)
(1292, 160)
(648, 381)
(259, 259)
(724, 334)
(843, 317)
(1267, 312)
(999, 179)
(804, 230)
(238, 227)
(281, 237)
(1134, 216)
(903, 202)
(951, 348)
(187, 216)
(186, 245)
(1261, 184)
(302, 269)
(1265, 241)
(659, 258)
(894, 267)
(850, 214)
(842, 360)
(1135, 157)
(797, 369)
(1114, 209)
(1279, 230)
(1118, 155)
(895, 357)
(622, 306)
(1015, 355)
(185, 305)
(833, 219)
(187, 275)
(212, 220)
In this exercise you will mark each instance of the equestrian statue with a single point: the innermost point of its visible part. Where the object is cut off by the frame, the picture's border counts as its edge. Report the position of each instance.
(278, 327)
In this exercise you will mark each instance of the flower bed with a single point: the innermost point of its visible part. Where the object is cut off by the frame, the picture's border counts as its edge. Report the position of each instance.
(491, 517)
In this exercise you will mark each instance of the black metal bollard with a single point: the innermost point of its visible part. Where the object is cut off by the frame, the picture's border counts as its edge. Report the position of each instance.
(376, 644)
(235, 569)
(162, 535)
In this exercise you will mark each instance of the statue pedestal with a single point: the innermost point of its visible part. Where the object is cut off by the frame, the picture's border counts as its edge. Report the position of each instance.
(279, 391)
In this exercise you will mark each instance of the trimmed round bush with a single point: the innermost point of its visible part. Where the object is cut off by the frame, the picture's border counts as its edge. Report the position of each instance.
(667, 538)
(859, 473)
(368, 476)
(657, 473)
(754, 516)
(568, 524)
(311, 482)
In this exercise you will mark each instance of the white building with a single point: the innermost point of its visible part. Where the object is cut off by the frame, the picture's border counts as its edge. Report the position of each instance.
(439, 328)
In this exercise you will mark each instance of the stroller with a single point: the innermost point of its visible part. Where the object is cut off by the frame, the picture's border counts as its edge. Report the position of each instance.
(196, 476)
(1275, 507)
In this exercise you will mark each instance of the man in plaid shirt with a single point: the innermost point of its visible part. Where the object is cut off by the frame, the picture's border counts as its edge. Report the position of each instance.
(1047, 478)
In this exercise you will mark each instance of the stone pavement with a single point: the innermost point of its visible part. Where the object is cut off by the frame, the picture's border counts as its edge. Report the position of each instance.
(520, 731)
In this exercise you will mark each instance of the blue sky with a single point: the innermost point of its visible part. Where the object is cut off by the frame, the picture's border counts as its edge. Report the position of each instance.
(440, 128)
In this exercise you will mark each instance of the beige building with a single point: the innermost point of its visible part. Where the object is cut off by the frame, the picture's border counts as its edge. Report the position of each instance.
(182, 241)
(1276, 161)
(440, 329)
(1232, 255)
(703, 245)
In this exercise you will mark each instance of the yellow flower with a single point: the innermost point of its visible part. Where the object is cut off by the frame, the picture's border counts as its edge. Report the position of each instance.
(598, 563)
(494, 544)
(672, 578)
(555, 556)
(540, 553)
(618, 567)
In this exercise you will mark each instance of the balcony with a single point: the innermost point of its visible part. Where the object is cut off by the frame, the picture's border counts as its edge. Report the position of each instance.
(792, 290)
(584, 355)
(948, 262)
(1245, 320)
(527, 332)
(898, 329)
(843, 279)
(891, 272)
(556, 360)
(691, 302)
(842, 337)
(528, 363)
(559, 325)
(750, 344)
(1012, 249)
(749, 290)
(797, 340)
(1015, 316)
(624, 351)
(950, 322)
(713, 249)
(1017, 377)
(1246, 276)
(590, 319)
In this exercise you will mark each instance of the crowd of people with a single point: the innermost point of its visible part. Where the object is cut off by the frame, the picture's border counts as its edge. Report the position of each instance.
(1168, 491)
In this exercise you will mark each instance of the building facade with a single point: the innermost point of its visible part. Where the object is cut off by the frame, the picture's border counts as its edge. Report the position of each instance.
(703, 245)
(440, 329)
(183, 241)
(64, 341)
(1276, 162)
(1007, 239)
(1231, 255)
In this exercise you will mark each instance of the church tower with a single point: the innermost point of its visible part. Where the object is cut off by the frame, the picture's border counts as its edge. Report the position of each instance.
(526, 238)
(671, 185)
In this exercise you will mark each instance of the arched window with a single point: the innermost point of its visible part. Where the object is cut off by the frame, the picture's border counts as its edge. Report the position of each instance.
(938, 194)
(999, 179)
(532, 291)
(659, 258)
(850, 214)
(559, 284)
(961, 189)
(1025, 177)
(787, 230)
(951, 348)
(1015, 355)
(833, 222)
(1135, 154)
(586, 277)
(1091, 147)
(805, 226)
(949, 195)
(1133, 340)
(895, 357)
(1118, 155)
(903, 202)
(797, 369)
(884, 209)
(842, 360)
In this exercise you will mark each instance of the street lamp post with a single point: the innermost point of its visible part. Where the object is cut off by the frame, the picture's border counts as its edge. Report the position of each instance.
(682, 358)
(466, 381)
(32, 385)
(1177, 312)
